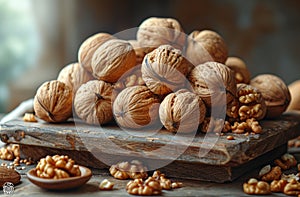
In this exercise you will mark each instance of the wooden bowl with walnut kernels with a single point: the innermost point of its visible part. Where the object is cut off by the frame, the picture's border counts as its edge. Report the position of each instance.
(60, 184)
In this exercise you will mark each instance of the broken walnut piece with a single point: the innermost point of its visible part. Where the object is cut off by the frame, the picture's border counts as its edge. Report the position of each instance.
(292, 188)
(106, 185)
(278, 185)
(29, 117)
(253, 186)
(165, 183)
(286, 161)
(126, 170)
(274, 174)
(149, 187)
(249, 125)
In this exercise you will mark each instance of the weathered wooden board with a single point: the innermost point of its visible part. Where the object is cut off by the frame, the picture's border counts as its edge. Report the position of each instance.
(199, 153)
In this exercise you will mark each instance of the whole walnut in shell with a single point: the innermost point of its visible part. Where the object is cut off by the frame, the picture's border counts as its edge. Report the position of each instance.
(112, 59)
(182, 111)
(140, 51)
(53, 101)
(93, 102)
(155, 31)
(206, 46)
(88, 48)
(136, 107)
(275, 93)
(74, 75)
(214, 83)
(241, 72)
(164, 70)
(294, 89)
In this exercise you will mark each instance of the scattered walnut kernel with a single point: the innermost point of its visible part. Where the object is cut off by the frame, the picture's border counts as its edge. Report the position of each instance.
(253, 186)
(249, 125)
(10, 152)
(292, 188)
(286, 161)
(274, 174)
(151, 186)
(132, 170)
(230, 137)
(164, 182)
(106, 185)
(290, 177)
(29, 117)
(278, 185)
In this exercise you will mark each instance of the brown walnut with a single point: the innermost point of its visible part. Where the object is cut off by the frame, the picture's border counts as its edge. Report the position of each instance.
(93, 102)
(275, 93)
(112, 59)
(295, 95)
(164, 70)
(241, 72)
(9, 175)
(88, 48)
(182, 111)
(206, 46)
(53, 101)
(136, 107)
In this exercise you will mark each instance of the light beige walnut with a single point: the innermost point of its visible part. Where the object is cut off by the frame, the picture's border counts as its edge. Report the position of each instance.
(182, 111)
(112, 59)
(275, 93)
(136, 107)
(53, 101)
(214, 83)
(74, 75)
(156, 31)
(88, 48)
(241, 72)
(93, 102)
(206, 46)
(295, 95)
(164, 70)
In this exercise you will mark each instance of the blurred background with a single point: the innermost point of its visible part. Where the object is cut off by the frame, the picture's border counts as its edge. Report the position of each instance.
(39, 37)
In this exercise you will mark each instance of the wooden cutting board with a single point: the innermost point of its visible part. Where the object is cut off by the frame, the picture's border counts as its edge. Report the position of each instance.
(195, 156)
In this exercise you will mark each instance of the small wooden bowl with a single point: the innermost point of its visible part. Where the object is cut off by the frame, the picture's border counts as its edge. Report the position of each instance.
(60, 184)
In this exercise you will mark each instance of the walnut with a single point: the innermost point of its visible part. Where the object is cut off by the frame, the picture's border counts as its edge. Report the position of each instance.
(292, 188)
(57, 167)
(93, 102)
(155, 31)
(295, 95)
(106, 185)
(290, 177)
(9, 175)
(74, 75)
(151, 186)
(88, 48)
(275, 93)
(286, 161)
(136, 107)
(253, 186)
(182, 111)
(112, 59)
(241, 72)
(125, 170)
(274, 174)
(214, 83)
(166, 184)
(140, 51)
(250, 125)
(211, 124)
(6, 154)
(232, 109)
(278, 185)
(53, 101)
(29, 117)
(206, 46)
(164, 70)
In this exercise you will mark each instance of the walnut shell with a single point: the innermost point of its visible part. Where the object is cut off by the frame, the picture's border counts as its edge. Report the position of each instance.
(155, 31)
(205, 46)
(136, 107)
(164, 70)
(241, 72)
(295, 95)
(74, 75)
(182, 111)
(9, 175)
(88, 48)
(210, 80)
(275, 93)
(112, 59)
(53, 101)
(93, 102)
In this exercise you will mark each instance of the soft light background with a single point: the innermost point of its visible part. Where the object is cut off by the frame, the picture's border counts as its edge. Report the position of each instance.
(39, 37)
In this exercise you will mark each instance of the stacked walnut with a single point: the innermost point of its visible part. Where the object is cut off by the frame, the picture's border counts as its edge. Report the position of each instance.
(163, 78)
(273, 178)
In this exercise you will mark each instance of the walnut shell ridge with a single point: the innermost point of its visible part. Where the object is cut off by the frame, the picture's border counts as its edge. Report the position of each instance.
(136, 107)
(275, 93)
(112, 59)
(53, 101)
(182, 111)
(93, 102)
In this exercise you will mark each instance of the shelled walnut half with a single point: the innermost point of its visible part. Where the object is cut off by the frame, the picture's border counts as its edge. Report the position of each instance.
(125, 170)
(149, 187)
(253, 186)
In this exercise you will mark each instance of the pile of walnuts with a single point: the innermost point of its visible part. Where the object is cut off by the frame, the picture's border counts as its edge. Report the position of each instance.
(162, 78)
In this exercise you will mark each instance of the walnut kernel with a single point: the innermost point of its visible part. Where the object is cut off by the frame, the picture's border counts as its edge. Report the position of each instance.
(292, 188)
(132, 170)
(151, 186)
(254, 186)
(106, 185)
(278, 185)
